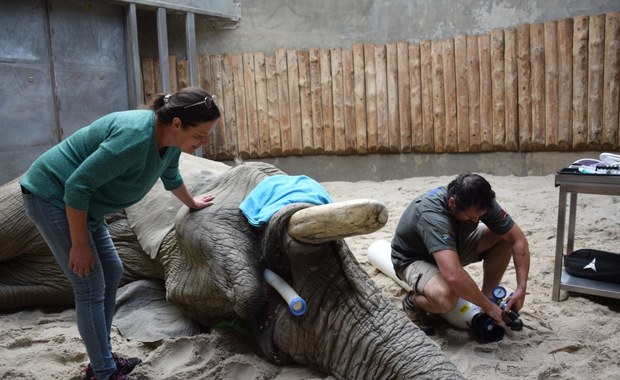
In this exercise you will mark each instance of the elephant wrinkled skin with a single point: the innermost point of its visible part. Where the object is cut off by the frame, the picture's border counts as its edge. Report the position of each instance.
(212, 262)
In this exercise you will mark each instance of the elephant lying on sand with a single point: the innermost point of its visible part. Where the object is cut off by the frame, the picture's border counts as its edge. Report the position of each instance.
(212, 262)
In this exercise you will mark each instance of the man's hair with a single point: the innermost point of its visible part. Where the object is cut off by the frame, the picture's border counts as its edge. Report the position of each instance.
(471, 190)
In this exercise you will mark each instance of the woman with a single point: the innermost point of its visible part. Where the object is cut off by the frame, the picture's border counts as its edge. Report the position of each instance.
(100, 169)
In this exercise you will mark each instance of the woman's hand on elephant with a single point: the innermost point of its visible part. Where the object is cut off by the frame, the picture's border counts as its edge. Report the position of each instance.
(81, 260)
(202, 201)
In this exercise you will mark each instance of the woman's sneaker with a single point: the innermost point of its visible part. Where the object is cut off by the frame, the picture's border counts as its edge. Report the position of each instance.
(124, 366)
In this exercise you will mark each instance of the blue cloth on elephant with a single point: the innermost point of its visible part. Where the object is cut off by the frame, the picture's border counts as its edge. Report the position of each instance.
(277, 191)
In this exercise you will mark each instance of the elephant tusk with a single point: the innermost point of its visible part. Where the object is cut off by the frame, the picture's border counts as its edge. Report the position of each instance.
(296, 304)
(323, 223)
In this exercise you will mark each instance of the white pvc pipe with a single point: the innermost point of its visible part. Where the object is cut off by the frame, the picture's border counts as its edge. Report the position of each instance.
(296, 304)
(379, 255)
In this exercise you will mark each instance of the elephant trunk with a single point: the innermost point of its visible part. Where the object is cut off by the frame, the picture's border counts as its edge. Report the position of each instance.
(355, 337)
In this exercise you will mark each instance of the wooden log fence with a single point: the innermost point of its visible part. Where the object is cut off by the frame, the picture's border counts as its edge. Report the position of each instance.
(553, 86)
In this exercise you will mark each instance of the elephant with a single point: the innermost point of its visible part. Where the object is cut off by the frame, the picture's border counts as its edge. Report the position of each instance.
(212, 262)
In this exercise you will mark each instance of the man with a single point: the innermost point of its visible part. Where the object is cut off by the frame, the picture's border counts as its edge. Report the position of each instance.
(439, 233)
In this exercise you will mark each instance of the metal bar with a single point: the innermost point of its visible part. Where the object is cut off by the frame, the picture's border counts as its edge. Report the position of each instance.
(559, 246)
(190, 36)
(133, 57)
(52, 65)
(162, 43)
(572, 216)
(215, 8)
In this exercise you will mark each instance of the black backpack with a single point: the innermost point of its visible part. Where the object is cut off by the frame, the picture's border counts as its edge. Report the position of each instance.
(594, 265)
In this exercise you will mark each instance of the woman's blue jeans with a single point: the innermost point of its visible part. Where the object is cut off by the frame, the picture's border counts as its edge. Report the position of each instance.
(95, 294)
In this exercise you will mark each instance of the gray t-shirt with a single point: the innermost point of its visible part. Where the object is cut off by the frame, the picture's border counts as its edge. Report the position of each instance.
(427, 226)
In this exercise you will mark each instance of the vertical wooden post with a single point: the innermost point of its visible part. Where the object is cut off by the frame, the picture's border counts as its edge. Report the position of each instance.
(219, 137)
(596, 55)
(404, 101)
(243, 142)
(370, 76)
(336, 134)
(525, 92)
(360, 99)
(183, 76)
(294, 104)
(473, 91)
(551, 85)
(498, 82)
(426, 70)
(331, 98)
(271, 74)
(415, 90)
(611, 95)
(512, 89)
(580, 82)
(209, 150)
(283, 101)
(462, 97)
(262, 108)
(537, 56)
(349, 102)
(565, 84)
(157, 75)
(315, 95)
(383, 127)
(204, 73)
(230, 117)
(449, 72)
(486, 105)
(439, 101)
(307, 143)
(392, 97)
(249, 80)
(148, 80)
(206, 76)
(172, 74)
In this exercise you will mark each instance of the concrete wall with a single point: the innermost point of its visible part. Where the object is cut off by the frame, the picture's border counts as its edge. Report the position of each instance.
(382, 167)
(300, 24)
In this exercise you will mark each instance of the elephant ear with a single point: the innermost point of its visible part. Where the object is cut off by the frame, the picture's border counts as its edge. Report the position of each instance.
(153, 217)
(143, 314)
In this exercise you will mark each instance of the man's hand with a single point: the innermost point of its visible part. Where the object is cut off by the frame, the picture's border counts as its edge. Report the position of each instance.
(516, 300)
(494, 311)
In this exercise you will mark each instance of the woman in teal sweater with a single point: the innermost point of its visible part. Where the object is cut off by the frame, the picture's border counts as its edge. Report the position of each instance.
(100, 169)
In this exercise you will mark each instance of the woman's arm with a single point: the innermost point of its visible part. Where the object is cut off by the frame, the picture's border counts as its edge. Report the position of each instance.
(81, 255)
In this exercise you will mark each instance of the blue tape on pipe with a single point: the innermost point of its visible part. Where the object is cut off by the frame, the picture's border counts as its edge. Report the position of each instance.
(297, 306)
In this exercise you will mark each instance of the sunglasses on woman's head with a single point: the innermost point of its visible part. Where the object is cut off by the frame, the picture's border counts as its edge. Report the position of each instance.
(209, 101)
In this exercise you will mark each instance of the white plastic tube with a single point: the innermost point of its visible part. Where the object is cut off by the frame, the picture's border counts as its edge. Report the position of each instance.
(296, 304)
(380, 256)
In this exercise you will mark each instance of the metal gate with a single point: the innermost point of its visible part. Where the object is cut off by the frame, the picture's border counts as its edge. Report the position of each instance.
(62, 64)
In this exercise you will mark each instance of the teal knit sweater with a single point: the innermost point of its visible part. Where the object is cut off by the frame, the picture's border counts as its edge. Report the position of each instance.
(104, 167)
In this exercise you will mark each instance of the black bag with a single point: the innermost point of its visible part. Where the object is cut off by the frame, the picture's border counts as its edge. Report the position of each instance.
(594, 265)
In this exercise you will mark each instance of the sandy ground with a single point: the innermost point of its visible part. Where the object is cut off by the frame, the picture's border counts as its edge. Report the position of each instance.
(575, 338)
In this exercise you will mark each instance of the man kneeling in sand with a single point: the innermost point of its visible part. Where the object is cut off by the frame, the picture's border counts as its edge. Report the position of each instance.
(440, 232)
